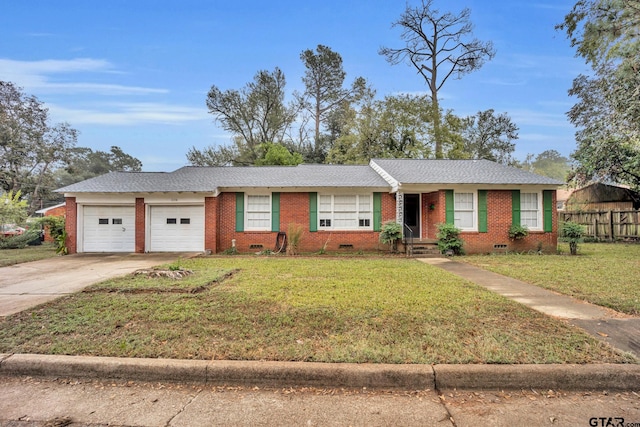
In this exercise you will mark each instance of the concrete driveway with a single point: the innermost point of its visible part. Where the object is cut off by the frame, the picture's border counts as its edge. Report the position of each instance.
(26, 285)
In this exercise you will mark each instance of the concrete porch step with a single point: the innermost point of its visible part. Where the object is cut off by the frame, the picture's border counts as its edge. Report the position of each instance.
(423, 248)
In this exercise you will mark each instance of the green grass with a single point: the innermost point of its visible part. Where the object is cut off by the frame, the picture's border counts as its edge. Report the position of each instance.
(605, 274)
(376, 310)
(30, 253)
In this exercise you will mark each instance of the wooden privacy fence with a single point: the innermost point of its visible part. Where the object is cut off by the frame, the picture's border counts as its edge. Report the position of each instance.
(606, 224)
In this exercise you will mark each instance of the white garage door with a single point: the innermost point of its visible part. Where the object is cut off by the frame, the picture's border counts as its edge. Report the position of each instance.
(108, 229)
(176, 229)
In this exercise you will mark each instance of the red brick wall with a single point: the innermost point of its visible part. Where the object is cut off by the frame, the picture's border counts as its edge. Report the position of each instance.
(432, 217)
(211, 224)
(140, 225)
(294, 209)
(71, 225)
(498, 223)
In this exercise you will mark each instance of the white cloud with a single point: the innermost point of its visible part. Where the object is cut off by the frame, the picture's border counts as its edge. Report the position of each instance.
(539, 118)
(129, 114)
(37, 76)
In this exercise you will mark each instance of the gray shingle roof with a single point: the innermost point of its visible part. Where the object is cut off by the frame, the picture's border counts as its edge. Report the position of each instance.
(409, 171)
(208, 179)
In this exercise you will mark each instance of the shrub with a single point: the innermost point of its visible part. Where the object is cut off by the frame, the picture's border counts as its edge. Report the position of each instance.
(573, 233)
(518, 232)
(19, 241)
(56, 227)
(449, 241)
(390, 233)
(294, 236)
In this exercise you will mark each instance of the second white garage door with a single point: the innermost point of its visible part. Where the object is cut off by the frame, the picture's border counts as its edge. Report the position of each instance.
(176, 229)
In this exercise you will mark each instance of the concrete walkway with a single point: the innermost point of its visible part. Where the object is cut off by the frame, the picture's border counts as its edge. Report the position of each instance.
(616, 329)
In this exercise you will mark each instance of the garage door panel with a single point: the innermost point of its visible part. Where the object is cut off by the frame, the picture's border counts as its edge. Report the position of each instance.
(176, 228)
(108, 229)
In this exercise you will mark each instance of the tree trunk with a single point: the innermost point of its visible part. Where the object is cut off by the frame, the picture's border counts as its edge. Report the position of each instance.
(436, 126)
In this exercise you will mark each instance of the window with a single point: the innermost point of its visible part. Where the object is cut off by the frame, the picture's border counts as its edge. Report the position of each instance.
(530, 210)
(171, 221)
(345, 211)
(258, 212)
(185, 220)
(464, 207)
(116, 221)
(103, 221)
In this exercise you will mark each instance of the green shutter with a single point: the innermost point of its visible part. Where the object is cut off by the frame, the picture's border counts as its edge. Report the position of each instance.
(515, 207)
(239, 211)
(547, 200)
(377, 211)
(275, 211)
(449, 207)
(313, 211)
(482, 211)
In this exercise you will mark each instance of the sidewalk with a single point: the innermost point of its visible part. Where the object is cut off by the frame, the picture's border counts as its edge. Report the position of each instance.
(602, 323)
(32, 402)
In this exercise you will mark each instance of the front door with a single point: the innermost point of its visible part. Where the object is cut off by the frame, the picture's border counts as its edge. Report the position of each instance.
(412, 215)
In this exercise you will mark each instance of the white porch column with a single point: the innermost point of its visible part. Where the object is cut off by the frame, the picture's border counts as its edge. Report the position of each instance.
(400, 208)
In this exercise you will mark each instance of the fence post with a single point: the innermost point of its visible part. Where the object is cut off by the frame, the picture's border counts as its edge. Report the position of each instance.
(595, 227)
(611, 224)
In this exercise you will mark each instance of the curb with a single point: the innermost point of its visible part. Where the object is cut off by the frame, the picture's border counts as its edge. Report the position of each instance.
(327, 375)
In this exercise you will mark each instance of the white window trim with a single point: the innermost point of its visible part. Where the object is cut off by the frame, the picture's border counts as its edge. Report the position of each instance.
(246, 212)
(540, 226)
(322, 216)
(475, 209)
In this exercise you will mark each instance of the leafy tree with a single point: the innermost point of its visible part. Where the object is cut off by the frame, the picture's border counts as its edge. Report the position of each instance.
(395, 127)
(438, 46)
(13, 208)
(324, 92)
(607, 114)
(548, 163)
(255, 114)
(84, 163)
(278, 154)
(489, 136)
(29, 145)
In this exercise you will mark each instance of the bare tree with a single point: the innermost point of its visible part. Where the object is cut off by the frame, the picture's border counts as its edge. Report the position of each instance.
(438, 46)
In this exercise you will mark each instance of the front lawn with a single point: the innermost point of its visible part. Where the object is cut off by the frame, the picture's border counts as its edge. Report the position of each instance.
(605, 274)
(30, 253)
(375, 310)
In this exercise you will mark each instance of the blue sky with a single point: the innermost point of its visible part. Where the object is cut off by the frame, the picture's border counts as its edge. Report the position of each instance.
(135, 73)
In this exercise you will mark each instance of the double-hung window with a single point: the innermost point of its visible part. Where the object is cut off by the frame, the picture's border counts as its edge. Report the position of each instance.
(530, 210)
(465, 210)
(345, 211)
(258, 212)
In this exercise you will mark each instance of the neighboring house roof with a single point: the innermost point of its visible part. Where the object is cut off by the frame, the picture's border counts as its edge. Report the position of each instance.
(379, 174)
(414, 171)
(45, 210)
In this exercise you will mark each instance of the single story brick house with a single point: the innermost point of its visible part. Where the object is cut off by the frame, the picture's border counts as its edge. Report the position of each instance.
(338, 206)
